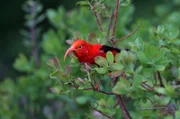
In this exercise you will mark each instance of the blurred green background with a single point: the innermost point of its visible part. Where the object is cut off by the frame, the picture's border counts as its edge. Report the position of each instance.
(24, 86)
(12, 21)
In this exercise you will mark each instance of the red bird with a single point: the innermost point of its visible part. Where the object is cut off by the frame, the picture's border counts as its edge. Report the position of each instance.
(86, 52)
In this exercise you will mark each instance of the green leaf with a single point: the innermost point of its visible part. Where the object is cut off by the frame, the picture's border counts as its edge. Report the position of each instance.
(139, 44)
(50, 63)
(139, 69)
(54, 74)
(101, 61)
(56, 17)
(110, 57)
(133, 47)
(121, 87)
(51, 43)
(83, 3)
(101, 70)
(160, 90)
(56, 89)
(127, 57)
(81, 100)
(148, 72)
(152, 52)
(160, 29)
(141, 56)
(22, 64)
(170, 91)
(159, 67)
(114, 74)
(174, 33)
(168, 117)
(118, 58)
(116, 66)
(74, 62)
(138, 79)
(178, 73)
(126, 2)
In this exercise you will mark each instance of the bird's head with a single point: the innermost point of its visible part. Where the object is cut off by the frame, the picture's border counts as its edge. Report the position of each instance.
(79, 47)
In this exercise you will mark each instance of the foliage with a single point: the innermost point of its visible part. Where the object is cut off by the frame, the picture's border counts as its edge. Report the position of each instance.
(147, 76)
(30, 96)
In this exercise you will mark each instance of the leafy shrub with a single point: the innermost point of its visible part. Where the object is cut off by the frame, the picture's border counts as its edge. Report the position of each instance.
(148, 75)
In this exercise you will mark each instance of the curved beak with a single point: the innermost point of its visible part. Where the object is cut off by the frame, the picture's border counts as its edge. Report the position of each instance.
(68, 51)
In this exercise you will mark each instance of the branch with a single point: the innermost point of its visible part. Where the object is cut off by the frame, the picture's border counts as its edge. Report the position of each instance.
(107, 106)
(100, 91)
(99, 111)
(33, 35)
(125, 112)
(127, 35)
(120, 102)
(97, 19)
(171, 109)
(176, 86)
(87, 68)
(115, 19)
(155, 78)
(160, 79)
(154, 108)
(146, 86)
(109, 28)
(150, 100)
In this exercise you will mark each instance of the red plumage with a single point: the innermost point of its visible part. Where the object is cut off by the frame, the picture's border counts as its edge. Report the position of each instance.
(86, 52)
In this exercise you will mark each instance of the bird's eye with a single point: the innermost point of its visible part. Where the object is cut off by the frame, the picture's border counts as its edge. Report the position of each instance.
(79, 47)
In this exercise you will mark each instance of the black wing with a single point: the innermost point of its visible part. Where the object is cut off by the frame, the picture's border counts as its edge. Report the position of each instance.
(106, 48)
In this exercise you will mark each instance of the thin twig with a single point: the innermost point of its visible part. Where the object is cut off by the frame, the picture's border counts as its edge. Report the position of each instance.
(155, 78)
(89, 77)
(171, 109)
(150, 100)
(155, 108)
(105, 106)
(125, 112)
(160, 79)
(109, 28)
(97, 19)
(115, 41)
(33, 36)
(147, 87)
(120, 102)
(115, 19)
(99, 111)
(99, 91)
(87, 69)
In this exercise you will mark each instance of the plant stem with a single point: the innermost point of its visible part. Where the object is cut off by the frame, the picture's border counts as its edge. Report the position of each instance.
(160, 79)
(33, 36)
(115, 19)
(120, 102)
(109, 28)
(115, 41)
(99, 111)
(125, 112)
(97, 19)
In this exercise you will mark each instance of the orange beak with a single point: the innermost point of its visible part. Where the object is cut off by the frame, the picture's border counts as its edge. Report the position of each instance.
(68, 51)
